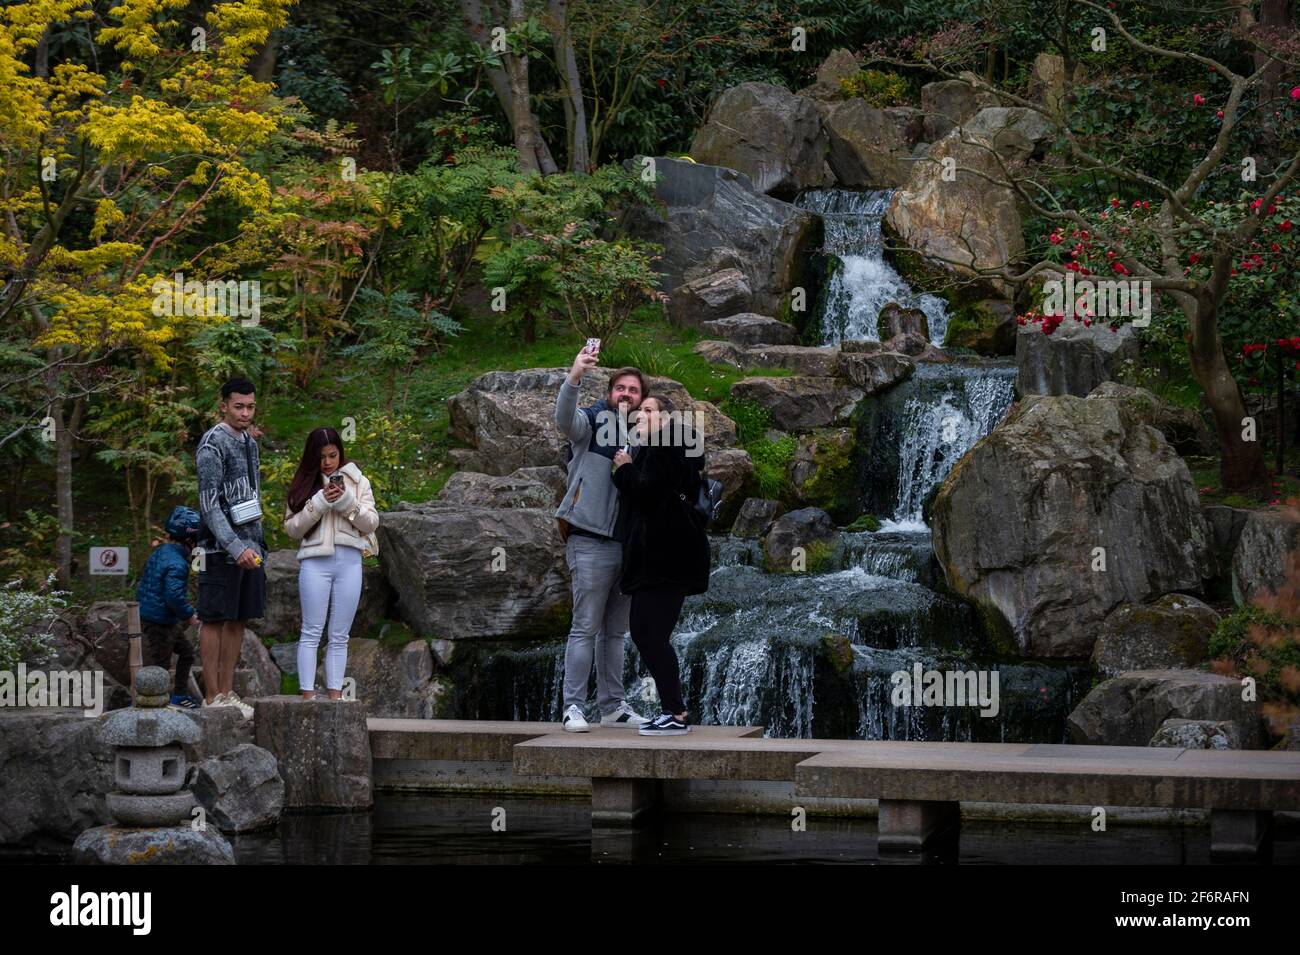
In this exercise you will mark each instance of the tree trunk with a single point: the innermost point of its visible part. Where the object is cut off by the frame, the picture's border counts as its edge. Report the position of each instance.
(520, 107)
(62, 480)
(262, 65)
(1274, 16)
(1242, 463)
(575, 110)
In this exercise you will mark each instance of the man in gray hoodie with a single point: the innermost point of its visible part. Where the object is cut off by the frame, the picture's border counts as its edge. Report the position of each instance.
(588, 515)
(232, 579)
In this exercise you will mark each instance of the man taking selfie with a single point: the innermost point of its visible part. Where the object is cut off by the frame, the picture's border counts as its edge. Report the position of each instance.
(232, 578)
(587, 518)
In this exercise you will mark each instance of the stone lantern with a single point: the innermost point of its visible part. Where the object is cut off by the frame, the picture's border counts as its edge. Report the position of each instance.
(148, 759)
(152, 808)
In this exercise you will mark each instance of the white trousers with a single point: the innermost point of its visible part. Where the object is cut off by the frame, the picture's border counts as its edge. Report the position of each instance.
(327, 586)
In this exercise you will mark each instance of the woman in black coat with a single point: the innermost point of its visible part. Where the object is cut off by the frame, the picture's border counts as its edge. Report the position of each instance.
(665, 548)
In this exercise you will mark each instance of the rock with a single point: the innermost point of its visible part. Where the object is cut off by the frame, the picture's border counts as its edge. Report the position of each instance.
(721, 352)
(283, 615)
(713, 218)
(322, 748)
(221, 728)
(488, 490)
(254, 656)
(711, 296)
(894, 319)
(176, 845)
(1183, 428)
(1047, 81)
(799, 403)
(1270, 541)
(971, 223)
(1016, 132)
(861, 346)
(54, 772)
(870, 147)
(509, 418)
(773, 136)
(395, 681)
(838, 65)
(917, 346)
(469, 572)
(987, 327)
(818, 362)
(1073, 360)
(718, 430)
(755, 517)
(285, 656)
(809, 528)
(1226, 525)
(747, 328)
(1017, 521)
(874, 373)
(553, 476)
(1172, 632)
(241, 790)
(1197, 734)
(1128, 710)
(732, 467)
(949, 103)
(821, 474)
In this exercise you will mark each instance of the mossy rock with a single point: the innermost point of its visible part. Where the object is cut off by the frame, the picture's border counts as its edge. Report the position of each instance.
(866, 522)
(821, 472)
(986, 327)
(838, 652)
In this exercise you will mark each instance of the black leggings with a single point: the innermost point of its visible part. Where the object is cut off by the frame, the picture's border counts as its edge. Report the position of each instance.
(653, 615)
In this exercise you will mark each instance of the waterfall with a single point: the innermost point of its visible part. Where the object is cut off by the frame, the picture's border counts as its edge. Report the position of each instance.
(862, 282)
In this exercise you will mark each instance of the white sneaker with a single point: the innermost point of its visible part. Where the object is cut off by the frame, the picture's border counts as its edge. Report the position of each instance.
(623, 716)
(575, 722)
(246, 711)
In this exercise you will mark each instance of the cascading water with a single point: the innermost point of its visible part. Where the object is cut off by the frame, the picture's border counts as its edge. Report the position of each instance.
(862, 281)
(814, 654)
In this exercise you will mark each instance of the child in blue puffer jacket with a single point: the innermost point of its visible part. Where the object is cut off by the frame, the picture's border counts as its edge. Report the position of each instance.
(164, 606)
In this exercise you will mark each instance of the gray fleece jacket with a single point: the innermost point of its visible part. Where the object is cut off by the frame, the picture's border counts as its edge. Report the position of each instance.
(224, 480)
(591, 501)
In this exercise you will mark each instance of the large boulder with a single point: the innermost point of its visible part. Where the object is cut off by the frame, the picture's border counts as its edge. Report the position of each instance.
(469, 572)
(1268, 546)
(241, 789)
(170, 845)
(1170, 633)
(839, 65)
(773, 136)
(1073, 360)
(747, 328)
(283, 615)
(732, 468)
(871, 148)
(949, 103)
(821, 473)
(253, 656)
(894, 319)
(874, 372)
(508, 417)
(395, 680)
(1183, 428)
(800, 359)
(1065, 486)
(965, 225)
(322, 748)
(710, 296)
(1128, 710)
(800, 403)
(1048, 82)
(1226, 524)
(54, 773)
(711, 219)
(489, 490)
(1016, 132)
(812, 531)
(755, 517)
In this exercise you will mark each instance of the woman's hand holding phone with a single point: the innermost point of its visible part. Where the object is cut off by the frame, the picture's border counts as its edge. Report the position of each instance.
(333, 492)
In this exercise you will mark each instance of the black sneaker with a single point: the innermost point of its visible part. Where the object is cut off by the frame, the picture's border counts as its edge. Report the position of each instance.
(664, 725)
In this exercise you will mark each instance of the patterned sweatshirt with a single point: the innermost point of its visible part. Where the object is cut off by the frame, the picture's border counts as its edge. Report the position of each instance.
(223, 481)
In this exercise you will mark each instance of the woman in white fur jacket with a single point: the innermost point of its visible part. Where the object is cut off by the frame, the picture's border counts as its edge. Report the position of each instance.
(331, 511)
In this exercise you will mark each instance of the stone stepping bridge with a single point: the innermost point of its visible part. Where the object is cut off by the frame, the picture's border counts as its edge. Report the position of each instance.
(920, 785)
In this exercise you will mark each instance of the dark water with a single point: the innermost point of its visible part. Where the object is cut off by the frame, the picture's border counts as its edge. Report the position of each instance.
(409, 829)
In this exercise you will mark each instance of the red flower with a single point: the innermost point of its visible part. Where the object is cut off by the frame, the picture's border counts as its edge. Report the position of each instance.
(1219, 114)
(1198, 99)
(1194, 258)
(1054, 239)
(1284, 225)
(1295, 92)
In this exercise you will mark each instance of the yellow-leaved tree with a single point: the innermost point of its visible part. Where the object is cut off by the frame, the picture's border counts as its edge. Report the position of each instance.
(122, 128)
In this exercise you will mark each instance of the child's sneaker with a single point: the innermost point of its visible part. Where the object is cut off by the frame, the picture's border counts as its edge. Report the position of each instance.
(183, 701)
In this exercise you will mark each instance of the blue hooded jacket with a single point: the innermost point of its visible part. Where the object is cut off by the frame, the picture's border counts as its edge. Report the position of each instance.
(162, 589)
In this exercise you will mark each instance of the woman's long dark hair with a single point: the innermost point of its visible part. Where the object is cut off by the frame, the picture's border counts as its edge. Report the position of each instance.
(306, 480)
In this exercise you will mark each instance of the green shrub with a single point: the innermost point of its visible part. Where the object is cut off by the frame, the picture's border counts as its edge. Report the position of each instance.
(752, 419)
(771, 465)
(877, 87)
